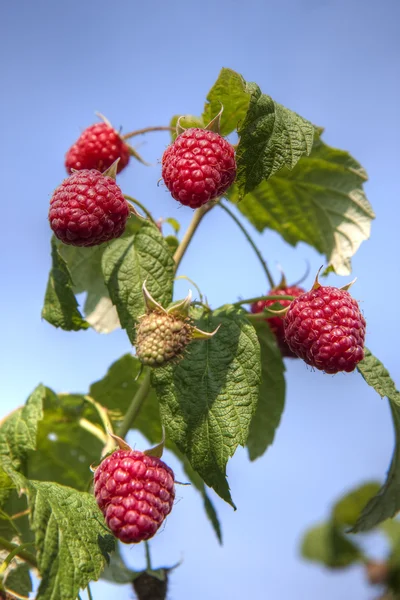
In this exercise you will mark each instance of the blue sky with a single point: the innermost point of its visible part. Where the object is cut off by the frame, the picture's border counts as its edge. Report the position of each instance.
(335, 63)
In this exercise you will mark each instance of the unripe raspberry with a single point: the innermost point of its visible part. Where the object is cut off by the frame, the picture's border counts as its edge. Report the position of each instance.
(149, 587)
(377, 572)
(326, 329)
(198, 167)
(135, 492)
(276, 323)
(88, 209)
(98, 147)
(161, 337)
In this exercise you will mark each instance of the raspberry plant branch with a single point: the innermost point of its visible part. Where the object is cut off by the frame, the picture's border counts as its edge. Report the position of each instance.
(93, 429)
(135, 405)
(89, 593)
(193, 225)
(12, 555)
(132, 134)
(252, 244)
(148, 557)
(28, 557)
(258, 298)
(142, 208)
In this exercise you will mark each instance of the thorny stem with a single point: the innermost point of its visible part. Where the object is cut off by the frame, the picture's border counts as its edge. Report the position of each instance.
(258, 298)
(252, 244)
(143, 208)
(135, 405)
(193, 225)
(132, 134)
(19, 551)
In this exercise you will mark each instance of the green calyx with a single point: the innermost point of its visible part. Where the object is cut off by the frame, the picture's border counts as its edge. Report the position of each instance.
(214, 125)
(163, 334)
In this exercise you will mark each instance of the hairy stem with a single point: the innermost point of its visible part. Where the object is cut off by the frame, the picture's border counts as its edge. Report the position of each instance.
(193, 225)
(135, 405)
(132, 134)
(28, 557)
(252, 244)
(142, 207)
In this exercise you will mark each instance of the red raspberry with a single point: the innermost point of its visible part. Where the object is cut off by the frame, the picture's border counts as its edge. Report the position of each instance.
(135, 493)
(276, 323)
(326, 329)
(199, 166)
(88, 209)
(97, 148)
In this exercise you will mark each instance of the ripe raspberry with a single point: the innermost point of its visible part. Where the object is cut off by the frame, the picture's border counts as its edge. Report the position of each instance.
(88, 209)
(199, 166)
(326, 329)
(276, 323)
(161, 337)
(135, 493)
(97, 148)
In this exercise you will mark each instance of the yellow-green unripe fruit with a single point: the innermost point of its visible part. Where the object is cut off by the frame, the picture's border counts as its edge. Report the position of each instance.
(161, 337)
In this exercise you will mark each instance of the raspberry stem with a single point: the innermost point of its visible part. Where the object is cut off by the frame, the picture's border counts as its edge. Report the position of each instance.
(132, 134)
(193, 225)
(135, 405)
(252, 244)
(89, 593)
(28, 557)
(258, 298)
(148, 557)
(143, 208)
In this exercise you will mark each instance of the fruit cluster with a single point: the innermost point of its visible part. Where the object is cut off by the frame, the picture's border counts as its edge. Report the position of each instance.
(135, 492)
(324, 327)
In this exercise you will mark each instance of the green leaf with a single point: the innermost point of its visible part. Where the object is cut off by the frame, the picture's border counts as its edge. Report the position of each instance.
(230, 91)
(72, 543)
(17, 528)
(116, 390)
(271, 137)
(187, 121)
(391, 528)
(271, 399)
(18, 433)
(172, 243)
(101, 314)
(320, 202)
(18, 580)
(208, 399)
(127, 263)
(347, 510)
(174, 224)
(84, 265)
(386, 503)
(65, 449)
(198, 483)
(117, 571)
(6, 484)
(60, 306)
(327, 545)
